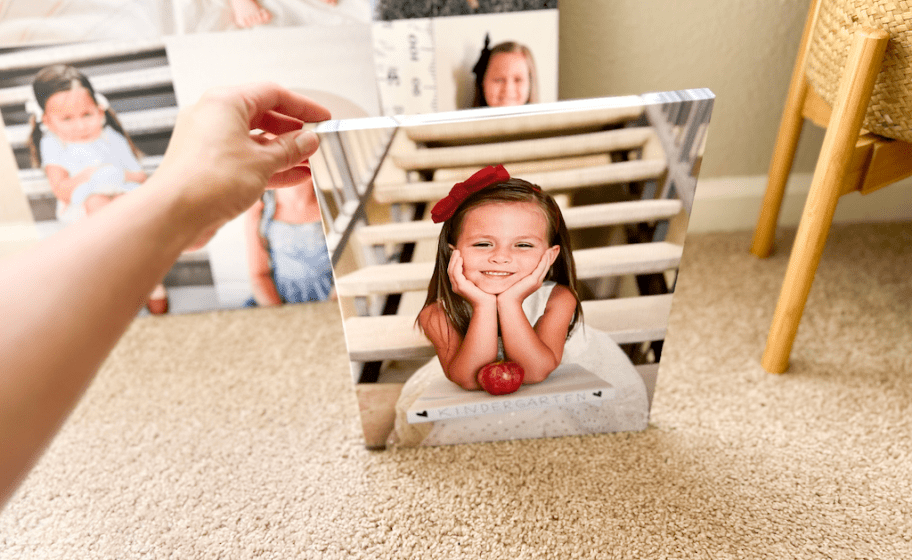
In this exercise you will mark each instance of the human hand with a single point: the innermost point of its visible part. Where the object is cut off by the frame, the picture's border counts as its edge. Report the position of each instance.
(524, 287)
(219, 168)
(465, 287)
(135, 176)
(85, 175)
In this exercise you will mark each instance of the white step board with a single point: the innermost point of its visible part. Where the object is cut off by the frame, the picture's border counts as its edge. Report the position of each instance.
(458, 131)
(622, 139)
(591, 215)
(134, 122)
(396, 337)
(565, 179)
(616, 260)
(105, 83)
(76, 52)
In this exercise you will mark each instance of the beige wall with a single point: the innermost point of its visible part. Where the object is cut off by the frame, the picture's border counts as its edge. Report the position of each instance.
(743, 50)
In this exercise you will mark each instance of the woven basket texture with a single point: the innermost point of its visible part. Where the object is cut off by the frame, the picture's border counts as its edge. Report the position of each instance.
(890, 111)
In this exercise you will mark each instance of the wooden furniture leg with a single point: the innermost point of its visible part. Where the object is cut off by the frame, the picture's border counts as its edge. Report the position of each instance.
(784, 151)
(862, 67)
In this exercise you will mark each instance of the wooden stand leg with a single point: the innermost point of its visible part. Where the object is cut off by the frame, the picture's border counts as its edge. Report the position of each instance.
(784, 152)
(781, 165)
(865, 58)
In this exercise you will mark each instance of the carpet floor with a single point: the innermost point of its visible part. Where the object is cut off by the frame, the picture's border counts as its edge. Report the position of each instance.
(236, 435)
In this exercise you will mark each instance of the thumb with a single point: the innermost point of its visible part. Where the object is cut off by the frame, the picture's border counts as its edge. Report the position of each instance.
(291, 148)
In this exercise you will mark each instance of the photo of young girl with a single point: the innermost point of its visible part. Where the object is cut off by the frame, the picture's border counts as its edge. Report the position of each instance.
(276, 252)
(482, 60)
(539, 241)
(504, 288)
(505, 75)
(80, 144)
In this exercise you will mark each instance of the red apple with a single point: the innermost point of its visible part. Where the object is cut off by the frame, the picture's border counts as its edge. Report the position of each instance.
(501, 377)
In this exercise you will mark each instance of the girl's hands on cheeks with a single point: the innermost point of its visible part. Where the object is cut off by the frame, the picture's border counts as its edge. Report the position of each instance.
(522, 289)
(465, 287)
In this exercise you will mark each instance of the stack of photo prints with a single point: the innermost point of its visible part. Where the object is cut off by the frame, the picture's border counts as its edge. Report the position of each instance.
(504, 262)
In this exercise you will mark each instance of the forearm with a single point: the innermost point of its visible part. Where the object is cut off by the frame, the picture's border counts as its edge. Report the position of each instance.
(522, 344)
(66, 301)
(64, 305)
(478, 348)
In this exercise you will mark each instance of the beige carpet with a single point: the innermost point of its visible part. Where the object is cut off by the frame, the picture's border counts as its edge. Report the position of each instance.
(235, 435)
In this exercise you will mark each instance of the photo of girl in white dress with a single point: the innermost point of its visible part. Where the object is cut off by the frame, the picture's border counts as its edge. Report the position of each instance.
(504, 288)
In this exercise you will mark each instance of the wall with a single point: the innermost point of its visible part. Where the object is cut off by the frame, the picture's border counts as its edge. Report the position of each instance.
(743, 50)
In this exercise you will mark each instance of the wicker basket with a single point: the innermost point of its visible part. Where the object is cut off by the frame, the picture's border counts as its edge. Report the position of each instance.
(890, 111)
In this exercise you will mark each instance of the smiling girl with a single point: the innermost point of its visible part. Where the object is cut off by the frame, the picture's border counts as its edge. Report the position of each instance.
(500, 246)
(504, 288)
(505, 76)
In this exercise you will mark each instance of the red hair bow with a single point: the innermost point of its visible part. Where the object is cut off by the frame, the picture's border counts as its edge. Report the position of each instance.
(486, 177)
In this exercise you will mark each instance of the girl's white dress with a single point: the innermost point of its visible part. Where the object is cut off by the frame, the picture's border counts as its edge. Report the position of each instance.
(110, 152)
(588, 347)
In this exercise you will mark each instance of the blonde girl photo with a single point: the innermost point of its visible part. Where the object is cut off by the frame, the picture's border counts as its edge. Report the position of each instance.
(504, 287)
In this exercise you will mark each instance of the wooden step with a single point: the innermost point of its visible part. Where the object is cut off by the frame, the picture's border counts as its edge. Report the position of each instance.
(577, 217)
(134, 122)
(491, 122)
(630, 319)
(480, 155)
(550, 181)
(616, 260)
(76, 52)
(105, 83)
(395, 337)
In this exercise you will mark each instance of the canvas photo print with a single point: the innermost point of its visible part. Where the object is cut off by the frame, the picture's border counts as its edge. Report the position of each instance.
(275, 253)
(84, 124)
(507, 273)
(483, 59)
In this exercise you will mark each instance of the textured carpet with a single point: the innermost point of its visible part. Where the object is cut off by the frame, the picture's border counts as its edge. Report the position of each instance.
(235, 435)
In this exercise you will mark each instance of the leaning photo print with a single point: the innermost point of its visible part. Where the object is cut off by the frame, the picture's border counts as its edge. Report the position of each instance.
(507, 273)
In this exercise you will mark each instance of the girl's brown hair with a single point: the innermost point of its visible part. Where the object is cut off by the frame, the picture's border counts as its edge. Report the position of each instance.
(562, 271)
(54, 79)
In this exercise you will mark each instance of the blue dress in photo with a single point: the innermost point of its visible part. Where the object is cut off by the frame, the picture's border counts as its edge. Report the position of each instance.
(298, 256)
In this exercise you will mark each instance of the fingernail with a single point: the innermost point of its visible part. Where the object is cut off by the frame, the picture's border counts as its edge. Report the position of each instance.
(307, 140)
